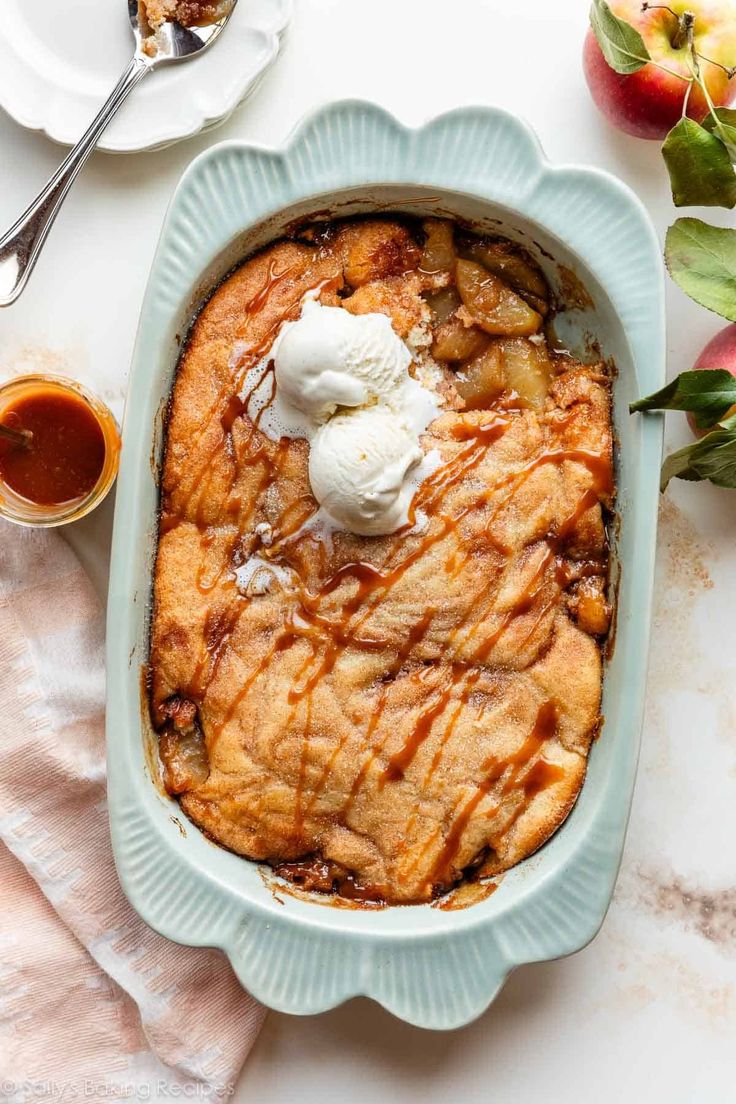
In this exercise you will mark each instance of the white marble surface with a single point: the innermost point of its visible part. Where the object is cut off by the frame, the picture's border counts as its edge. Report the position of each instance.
(648, 1011)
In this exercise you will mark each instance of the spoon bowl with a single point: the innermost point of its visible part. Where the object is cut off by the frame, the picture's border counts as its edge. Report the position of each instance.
(172, 40)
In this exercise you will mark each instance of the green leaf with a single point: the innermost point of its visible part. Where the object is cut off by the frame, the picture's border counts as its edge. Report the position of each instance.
(622, 45)
(709, 393)
(722, 123)
(712, 457)
(701, 173)
(701, 259)
(677, 466)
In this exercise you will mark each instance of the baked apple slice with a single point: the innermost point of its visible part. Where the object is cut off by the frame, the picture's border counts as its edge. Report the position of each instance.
(492, 304)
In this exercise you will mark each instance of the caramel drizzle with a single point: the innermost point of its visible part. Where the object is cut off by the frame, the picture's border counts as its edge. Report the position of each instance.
(524, 767)
(374, 582)
(272, 468)
(397, 765)
(543, 774)
(225, 404)
(413, 637)
(473, 673)
(219, 627)
(235, 407)
(230, 407)
(399, 762)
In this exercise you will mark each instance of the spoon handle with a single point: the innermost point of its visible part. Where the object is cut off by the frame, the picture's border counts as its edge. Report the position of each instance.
(16, 436)
(21, 245)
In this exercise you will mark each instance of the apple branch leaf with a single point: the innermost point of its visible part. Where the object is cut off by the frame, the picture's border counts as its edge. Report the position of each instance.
(701, 173)
(701, 259)
(621, 44)
(713, 457)
(722, 123)
(708, 393)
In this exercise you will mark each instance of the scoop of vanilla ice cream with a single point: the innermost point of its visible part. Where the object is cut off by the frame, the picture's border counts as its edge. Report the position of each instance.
(343, 383)
(330, 358)
(358, 467)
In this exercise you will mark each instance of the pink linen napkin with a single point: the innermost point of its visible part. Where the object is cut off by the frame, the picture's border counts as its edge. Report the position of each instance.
(87, 991)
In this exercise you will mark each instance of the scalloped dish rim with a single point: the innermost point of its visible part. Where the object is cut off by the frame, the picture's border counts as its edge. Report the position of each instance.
(431, 967)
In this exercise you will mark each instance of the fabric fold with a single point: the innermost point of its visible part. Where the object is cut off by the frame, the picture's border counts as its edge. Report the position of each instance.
(67, 930)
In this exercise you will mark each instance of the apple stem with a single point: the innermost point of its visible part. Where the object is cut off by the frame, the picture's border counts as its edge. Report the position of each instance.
(679, 38)
(683, 34)
(685, 23)
(695, 67)
(729, 70)
(659, 7)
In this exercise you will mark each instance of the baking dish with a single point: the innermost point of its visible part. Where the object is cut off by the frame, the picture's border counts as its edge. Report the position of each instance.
(431, 967)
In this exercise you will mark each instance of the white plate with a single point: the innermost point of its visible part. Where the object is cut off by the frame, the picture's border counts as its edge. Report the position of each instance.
(59, 60)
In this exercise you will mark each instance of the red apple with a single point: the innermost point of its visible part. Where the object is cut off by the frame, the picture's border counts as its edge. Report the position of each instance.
(648, 103)
(720, 352)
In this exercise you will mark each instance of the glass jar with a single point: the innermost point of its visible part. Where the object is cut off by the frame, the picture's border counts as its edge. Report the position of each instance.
(22, 511)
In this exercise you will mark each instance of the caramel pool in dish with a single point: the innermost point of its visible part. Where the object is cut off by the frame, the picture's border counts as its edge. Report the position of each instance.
(380, 716)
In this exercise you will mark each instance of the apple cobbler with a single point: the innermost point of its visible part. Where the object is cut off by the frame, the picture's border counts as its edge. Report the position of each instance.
(189, 13)
(154, 14)
(380, 607)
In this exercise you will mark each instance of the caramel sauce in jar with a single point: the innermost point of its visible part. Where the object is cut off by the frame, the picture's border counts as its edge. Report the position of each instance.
(71, 458)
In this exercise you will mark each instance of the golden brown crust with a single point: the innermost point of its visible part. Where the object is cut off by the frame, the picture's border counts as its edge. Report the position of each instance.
(432, 705)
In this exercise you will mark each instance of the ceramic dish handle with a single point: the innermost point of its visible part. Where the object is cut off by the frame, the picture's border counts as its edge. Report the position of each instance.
(21, 245)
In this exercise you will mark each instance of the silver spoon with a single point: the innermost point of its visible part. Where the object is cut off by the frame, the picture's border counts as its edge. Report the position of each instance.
(22, 244)
(21, 438)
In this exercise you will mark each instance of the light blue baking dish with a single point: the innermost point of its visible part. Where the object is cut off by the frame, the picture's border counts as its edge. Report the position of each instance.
(433, 968)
